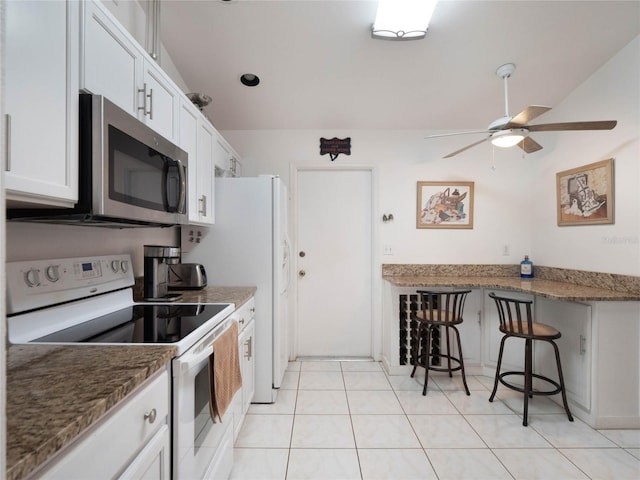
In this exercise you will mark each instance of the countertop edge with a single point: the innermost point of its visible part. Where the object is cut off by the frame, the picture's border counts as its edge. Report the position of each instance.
(545, 288)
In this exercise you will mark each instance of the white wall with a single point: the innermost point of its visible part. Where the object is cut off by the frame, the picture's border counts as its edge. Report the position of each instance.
(515, 203)
(612, 93)
(401, 159)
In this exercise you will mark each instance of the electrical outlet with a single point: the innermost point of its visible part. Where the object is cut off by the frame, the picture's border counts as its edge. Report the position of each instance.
(387, 250)
(506, 250)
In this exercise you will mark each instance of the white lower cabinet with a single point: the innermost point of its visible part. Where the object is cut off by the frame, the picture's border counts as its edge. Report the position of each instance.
(133, 442)
(573, 321)
(471, 329)
(246, 349)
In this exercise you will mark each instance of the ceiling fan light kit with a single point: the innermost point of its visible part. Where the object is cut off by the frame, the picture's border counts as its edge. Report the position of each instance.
(509, 138)
(510, 131)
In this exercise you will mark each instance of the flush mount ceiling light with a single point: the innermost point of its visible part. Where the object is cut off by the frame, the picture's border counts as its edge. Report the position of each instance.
(509, 138)
(249, 79)
(402, 19)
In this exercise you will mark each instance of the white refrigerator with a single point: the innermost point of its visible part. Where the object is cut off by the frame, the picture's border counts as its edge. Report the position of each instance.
(249, 246)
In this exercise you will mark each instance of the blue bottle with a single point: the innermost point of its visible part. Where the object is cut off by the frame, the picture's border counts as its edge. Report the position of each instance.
(526, 268)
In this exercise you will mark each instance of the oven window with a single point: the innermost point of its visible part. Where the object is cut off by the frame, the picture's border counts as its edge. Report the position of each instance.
(139, 175)
(202, 421)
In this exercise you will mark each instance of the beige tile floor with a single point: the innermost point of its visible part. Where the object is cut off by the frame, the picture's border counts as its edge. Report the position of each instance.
(349, 420)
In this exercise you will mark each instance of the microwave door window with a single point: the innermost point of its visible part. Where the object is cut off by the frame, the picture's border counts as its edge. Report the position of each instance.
(136, 172)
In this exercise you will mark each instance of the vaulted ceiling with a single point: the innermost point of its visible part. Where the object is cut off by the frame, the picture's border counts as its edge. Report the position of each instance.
(320, 68)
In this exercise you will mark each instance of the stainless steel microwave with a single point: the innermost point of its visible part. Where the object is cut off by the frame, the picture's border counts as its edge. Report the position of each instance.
(129, 174)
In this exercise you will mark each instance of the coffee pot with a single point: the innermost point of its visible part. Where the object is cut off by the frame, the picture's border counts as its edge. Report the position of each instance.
(157, 259)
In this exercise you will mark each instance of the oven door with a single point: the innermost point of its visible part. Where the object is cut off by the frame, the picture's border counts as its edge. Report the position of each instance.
(199, 445)
(137, 173)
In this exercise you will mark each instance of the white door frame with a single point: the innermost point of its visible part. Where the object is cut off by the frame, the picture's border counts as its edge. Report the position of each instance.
(376, 277)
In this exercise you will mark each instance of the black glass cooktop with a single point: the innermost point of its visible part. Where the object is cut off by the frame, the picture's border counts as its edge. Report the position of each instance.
(150, 323)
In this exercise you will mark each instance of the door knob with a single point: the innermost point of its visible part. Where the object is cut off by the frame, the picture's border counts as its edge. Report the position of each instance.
(302, 273)
(302, 254)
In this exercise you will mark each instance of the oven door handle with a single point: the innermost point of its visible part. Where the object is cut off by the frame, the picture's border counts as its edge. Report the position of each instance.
(186, 364)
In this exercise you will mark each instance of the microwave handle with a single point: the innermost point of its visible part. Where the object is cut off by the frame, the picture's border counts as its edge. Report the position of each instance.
(183, 186)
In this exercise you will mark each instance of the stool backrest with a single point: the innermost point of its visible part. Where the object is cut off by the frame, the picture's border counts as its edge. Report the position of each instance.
(443, 306)
(515, 315)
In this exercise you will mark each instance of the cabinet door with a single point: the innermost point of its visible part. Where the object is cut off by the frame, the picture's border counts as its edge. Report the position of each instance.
(41, 102)
(159, 101)
(248, 365)
(222, 153)
(471, 329)
(573, 321)
(152, 463)
(188, 141)
(205, 181)
(110, 60)
(513, 356)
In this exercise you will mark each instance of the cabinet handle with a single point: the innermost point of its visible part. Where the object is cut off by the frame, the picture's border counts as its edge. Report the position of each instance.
(146, 95)
(249, 344)
(8, 140)
(150, 103)
(583, 344)
(151, 416)
(143, 91)
(241, 321)
(203, 203)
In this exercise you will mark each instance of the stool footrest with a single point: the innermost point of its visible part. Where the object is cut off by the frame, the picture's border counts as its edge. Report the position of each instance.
(441, 369)
(517, 388)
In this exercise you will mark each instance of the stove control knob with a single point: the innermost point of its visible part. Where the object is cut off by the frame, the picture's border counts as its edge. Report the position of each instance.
(115, 265)
(124, 266)
(53, 273)
(32, 277)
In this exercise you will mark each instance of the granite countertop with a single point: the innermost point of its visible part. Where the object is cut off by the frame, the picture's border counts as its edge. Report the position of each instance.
(554, 283)
(54, 393)
(544, 288)
(236, 295)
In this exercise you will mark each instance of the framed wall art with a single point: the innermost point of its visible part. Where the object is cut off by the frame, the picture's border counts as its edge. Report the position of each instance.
(585, 194)
(445, 205)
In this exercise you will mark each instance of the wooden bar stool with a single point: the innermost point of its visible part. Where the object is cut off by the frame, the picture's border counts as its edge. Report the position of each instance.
(516, 321)
(438, 309)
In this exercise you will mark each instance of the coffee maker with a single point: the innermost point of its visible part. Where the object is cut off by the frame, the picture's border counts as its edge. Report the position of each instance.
(157, 259)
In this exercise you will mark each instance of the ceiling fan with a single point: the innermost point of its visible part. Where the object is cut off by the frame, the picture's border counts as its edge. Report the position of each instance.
(509, 131)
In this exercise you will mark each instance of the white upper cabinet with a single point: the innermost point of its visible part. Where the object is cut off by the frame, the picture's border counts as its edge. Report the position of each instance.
(160, 101)
(41, 103)
(111, 62)
(196, 139)
(205, 170)
(114, 65)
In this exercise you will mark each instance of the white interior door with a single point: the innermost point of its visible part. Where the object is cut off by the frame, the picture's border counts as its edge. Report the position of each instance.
(334, 263)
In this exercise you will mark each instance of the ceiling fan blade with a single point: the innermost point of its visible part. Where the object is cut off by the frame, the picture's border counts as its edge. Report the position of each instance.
(528, 114)
(558, 127)
(466, 148)
(457, 133)
(529, 145)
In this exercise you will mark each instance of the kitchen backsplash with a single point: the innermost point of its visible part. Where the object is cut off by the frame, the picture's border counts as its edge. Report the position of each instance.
(30, 241)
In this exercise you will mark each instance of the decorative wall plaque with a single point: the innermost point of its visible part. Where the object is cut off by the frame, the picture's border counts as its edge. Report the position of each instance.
(335, 146)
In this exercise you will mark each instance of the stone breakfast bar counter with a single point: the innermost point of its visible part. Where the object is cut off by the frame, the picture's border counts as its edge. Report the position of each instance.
(597, 313)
